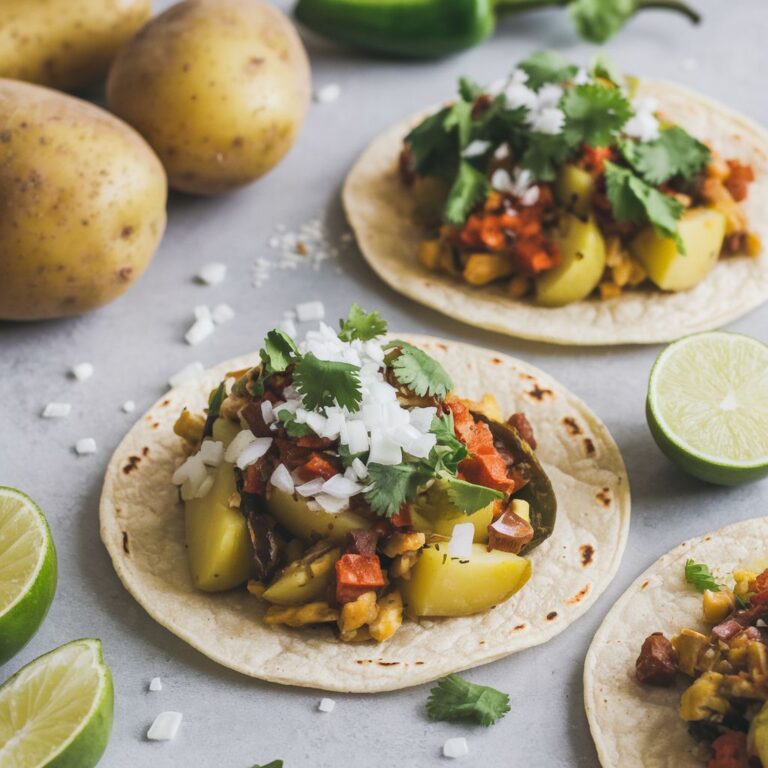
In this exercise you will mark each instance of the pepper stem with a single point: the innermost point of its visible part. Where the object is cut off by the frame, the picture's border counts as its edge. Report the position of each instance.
(670, 5)
(512, 6)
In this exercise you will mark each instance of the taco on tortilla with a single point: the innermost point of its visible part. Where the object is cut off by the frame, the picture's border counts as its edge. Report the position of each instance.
(345, 504)
(569, 205)
(683, 659)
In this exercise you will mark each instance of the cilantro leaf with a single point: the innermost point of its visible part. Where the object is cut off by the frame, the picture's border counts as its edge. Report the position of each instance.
(547, 67)
(634, 200)
(598, 20)
(699, 575)
(468, 497)
(393, 486)
(454, 698)
(362, 325)
(273, 764)
(594, 114)
(292, 427)
(278, 352)
(214, 407)
(469, 90)
(347, 457)
(418, 371)
(674, 153)
(449, 451)
(470, 187)
(322, 383)
(603, 66)
(434, 150)
(544, 155)
(459, 117)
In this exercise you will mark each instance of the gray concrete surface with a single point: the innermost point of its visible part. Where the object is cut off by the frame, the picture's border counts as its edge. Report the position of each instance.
(136, 343)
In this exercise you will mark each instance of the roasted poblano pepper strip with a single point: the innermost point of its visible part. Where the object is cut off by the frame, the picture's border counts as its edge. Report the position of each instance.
(435, 28)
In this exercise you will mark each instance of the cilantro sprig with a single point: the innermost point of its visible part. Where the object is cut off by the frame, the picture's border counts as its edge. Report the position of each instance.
(455, 698)
(699, 576)
(416, 370)
(362, 325)
(322, 383)
(674, 153)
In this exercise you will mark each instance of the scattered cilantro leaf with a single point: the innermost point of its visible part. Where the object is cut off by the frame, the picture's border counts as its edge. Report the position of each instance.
(214, 406)
(699, 575)
(278, 352)
(292, 427)
(469, 90)
(459, 117)
(273, 764)
(547, 67)
(598, 20)
(449, 451)
(674, 153)
(470, 187)
(468, 497)
(544, 154)
(362, 325)
(322, 383)
(634, 200)
(393, 486)
(418, 371)
(454, 698)
(347, 458)
(594, 114)
(435, 151)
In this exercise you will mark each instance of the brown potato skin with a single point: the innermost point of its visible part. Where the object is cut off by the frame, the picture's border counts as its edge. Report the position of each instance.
(65, 44)
(82, 204)
(219, 88)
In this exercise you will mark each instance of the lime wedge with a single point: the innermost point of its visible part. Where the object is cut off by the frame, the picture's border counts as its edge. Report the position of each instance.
(707, 406)
(27, 570)
(57, 711)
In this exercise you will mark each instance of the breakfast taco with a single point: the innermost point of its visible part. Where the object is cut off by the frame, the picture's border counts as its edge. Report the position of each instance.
(362, 512)
(678, 672)
(569, 205)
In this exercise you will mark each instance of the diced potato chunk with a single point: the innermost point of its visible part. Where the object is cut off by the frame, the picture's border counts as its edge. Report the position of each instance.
(575, 189)
(389, 617)
(218, 546)
(583, 261)
(294, 515)
(189, 426)
(304, 580)
(441, 585)
(301, 615)
(224, 431)
(702, 231)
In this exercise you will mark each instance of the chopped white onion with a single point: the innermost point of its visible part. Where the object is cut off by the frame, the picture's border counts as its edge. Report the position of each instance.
(328, 93)
(155, 684)
(332, 504)
(455, 747)
(240, 442)
(341, 487)
(165, 727)
(200, 330)
(85, 446)
(56, 411)
(193, 469)
(421, 418)
(309, 311)
(360, 470)
(281, 479)
(212, 452)
(460, 544)
(384, 450)
(357, 436)
(82, 371)
(315, 421)
(205, 486)
(202, 312)
(129, 406)
(267, 412)
(222, 313)
(254, 452)
(310, 488)
(212, 273)
(326, 705)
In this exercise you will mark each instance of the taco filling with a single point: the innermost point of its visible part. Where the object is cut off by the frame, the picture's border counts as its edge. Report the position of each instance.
(558, 184)
(344, 482)
(725, 669)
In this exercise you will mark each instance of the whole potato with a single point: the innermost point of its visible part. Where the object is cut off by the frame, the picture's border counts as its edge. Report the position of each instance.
(65, 43)
(219, 88)
(82, 204)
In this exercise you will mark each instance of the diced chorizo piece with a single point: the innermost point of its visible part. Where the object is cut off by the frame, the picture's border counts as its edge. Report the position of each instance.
(356, 574)
(363, 542)
(656, 663)
(254, 417)
(510, 533)
(520, 422)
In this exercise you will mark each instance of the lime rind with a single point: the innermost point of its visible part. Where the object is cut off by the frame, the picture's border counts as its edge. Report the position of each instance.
(22, 616)
(720, 469)
(86, 743)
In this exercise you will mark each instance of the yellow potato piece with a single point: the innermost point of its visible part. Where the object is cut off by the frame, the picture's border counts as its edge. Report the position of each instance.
(702, 231)
(583, 261)
(441, 585)
(305, 580)
(575, 189)
(296, 517)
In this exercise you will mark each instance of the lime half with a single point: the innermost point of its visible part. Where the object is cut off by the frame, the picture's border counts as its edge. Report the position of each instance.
(27, 571)
(57, 711)
(707, 406)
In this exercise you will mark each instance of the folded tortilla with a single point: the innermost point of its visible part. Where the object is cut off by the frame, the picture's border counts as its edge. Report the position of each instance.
(639, 726)
(142, 526)
(384, 218)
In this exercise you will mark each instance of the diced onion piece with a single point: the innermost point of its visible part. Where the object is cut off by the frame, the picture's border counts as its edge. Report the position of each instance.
(309, 311)
(212, 452)
(165, 727)
(384, 450)
(205, 486)
(332, 504)
(129, 406)
(357, 436)
(460, 544)
(56, 410)
(456, 747)
(240, 442)
(82, 371)
(254, 452)
(281, 479)
(267, 412)
(222, 313)
(421, 418)
(326, 705)
(421, 446)
(85, 446)
(212, 273)
(360, 470)
(310, 488)
(341, 487)
(315, 421)
(328, 93)
(200, 331)
(155, 684)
